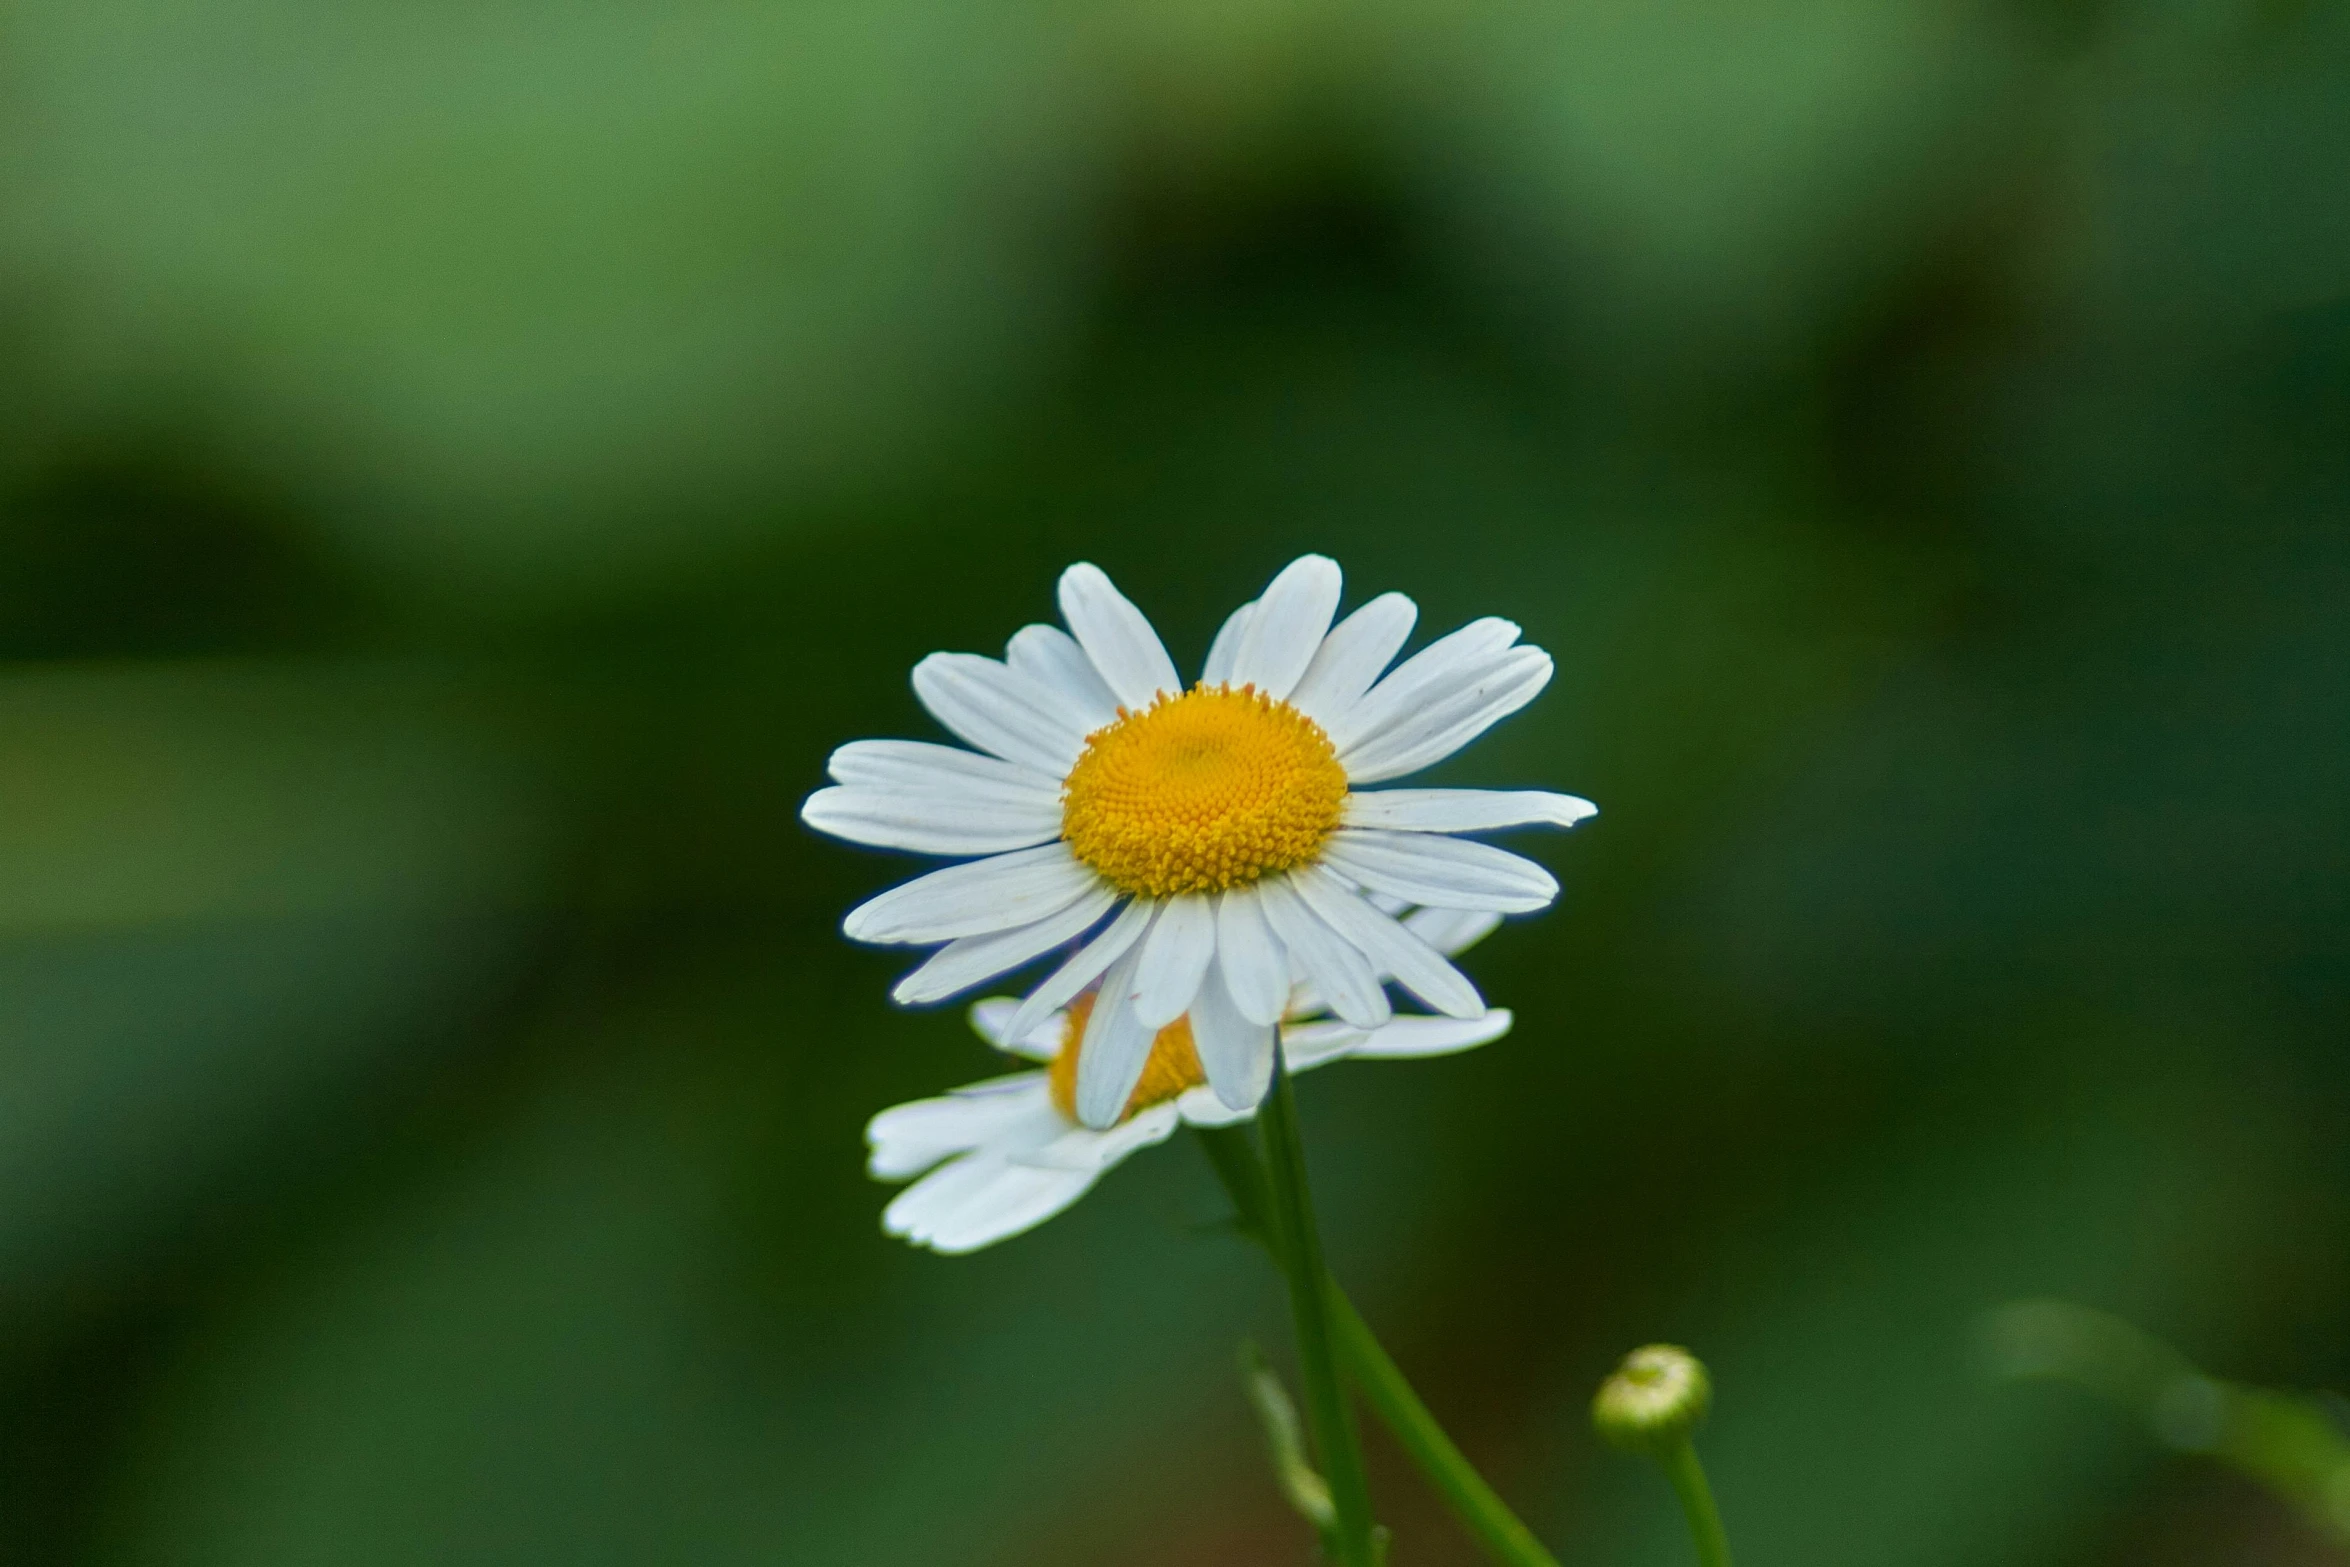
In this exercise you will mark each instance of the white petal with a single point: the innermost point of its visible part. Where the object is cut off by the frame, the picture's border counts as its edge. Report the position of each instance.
(1452, 931)
(1174, 960)
(1412, 1038)
(1428, 736)
(1082, 1148)
(1464, 810)
(913, 1211)
(1442, 667)
(1352, 656)
(942, 769)
(1288, 626)
(1016, 1200)
(1221, 652)
(1441, 872)
(909, 1138)
(1236, 1054)
(1062, 985)
(1418, 967)
(1337, 969)
(927, 823)
(1255, 968)
(1116, 1047)
(998, 709)
(1305, 1046)
(997, 893)
(1201, 1107)
(991, 1020)
(974, 960)
(1116, 637)
(1051, 657)
(989, 1196)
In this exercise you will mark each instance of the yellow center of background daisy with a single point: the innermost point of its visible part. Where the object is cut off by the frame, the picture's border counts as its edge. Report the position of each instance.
(1173, 1065)
(1197, 793)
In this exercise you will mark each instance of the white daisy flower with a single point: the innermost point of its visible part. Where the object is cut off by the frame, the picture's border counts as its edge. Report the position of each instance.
(1005, 1155)
(1202, 840)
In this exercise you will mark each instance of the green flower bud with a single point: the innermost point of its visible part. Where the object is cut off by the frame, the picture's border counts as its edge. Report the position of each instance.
(1654, 1400)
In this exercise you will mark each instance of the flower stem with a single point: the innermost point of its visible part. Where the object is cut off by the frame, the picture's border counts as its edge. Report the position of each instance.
(1300, 1245)
(1475, 1504)
(1697, 1503)
(1481, 1511)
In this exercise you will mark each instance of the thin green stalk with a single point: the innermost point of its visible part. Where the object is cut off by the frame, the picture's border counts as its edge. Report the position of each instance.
(1475, 1504)
(1479, 1508)
(1697, 1503)
(1309, 1303)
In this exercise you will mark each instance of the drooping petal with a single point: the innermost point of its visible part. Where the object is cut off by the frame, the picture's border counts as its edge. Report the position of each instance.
(1430, 735)
(1439, 872)
(1051, 657)
(991, 1020)
(1288, 626)
(1418, 967)
(1000, 892)
(1351, 658)
(928, 821)
(1116, 636)
(1464, 810)
(1452, 931)
(974, 960)
(1002, 711)
(920, 764)
(1226, 648)
(1335, 966)
(1445, 665)
(1083, 968)
(1082, 1148)
(1174, 960)
(913, 1211)
(1004, 1190)
(1236, 1054)
(1412, 1038)
(1305, 1046)
(1255, 968)
(1200, 1107)
(1014, 1199)
(1116, 1047)
(907, 1139)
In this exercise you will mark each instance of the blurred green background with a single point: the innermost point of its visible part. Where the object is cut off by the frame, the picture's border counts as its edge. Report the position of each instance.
(462, 466)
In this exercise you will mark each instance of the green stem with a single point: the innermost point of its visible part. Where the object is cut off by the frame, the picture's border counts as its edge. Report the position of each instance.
(1309, 1303)
(1481, 1511)
(1697, 1503)
(1475, 1504)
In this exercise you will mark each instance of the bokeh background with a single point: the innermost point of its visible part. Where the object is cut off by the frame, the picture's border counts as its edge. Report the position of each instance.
(463, 465)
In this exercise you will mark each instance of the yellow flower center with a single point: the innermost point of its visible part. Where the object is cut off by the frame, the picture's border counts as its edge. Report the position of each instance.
(1197, 793)
(1173, 1065)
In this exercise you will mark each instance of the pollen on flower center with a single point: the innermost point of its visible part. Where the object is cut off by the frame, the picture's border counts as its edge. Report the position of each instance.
(1202, 792)
(1173, 1065)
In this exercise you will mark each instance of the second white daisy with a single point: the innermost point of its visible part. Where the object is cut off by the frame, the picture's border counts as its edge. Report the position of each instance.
(1200, 841)
(1000, 1157)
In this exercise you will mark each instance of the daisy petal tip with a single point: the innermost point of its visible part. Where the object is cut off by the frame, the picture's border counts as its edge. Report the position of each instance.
(1237, 1098)
(822, 812)
(1318, 569)
(991, 1018)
